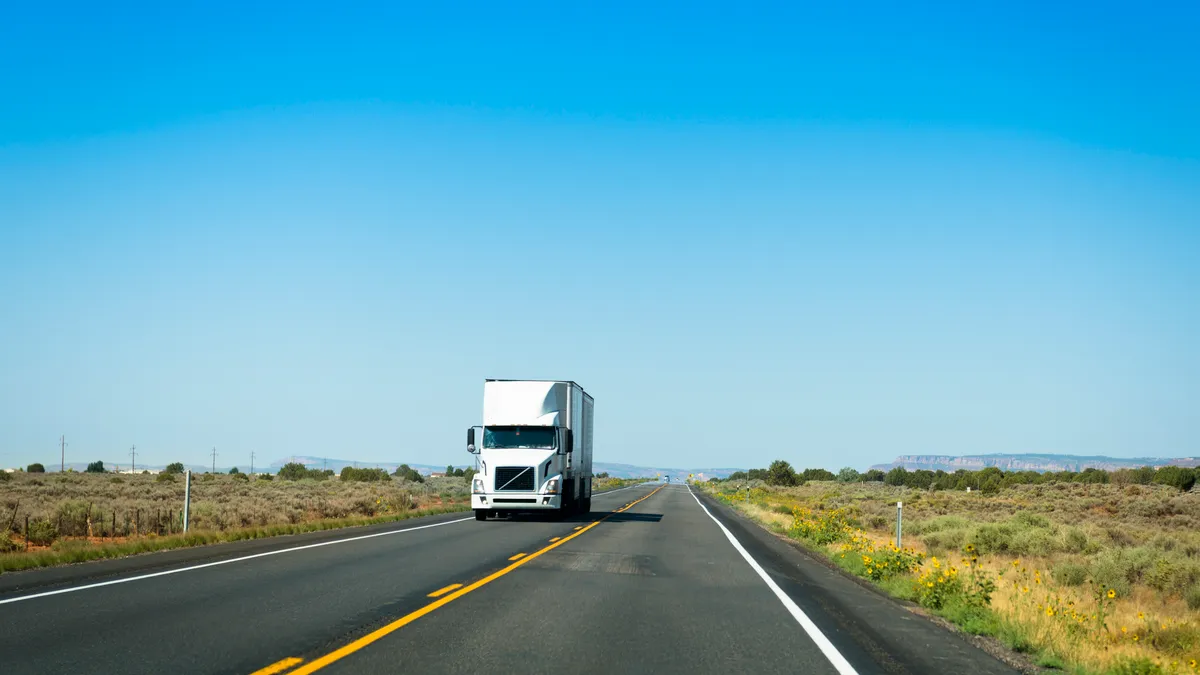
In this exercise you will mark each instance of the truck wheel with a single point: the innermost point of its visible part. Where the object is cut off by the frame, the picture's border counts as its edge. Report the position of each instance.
(480, 514)
(586, 507)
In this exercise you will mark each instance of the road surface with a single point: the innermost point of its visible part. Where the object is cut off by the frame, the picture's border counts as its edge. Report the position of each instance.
(657, 579)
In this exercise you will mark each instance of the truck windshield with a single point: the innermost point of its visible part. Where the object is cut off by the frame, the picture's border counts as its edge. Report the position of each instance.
(518, 437)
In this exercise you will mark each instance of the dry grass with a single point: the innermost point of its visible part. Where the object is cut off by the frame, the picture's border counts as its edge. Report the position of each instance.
(1056, 551)
(91, 507)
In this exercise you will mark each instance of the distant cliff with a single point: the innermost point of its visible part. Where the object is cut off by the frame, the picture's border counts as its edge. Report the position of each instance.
(1031, 462)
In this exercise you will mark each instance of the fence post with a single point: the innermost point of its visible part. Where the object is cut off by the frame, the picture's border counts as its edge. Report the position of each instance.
(137, 522)
(112, 533)
(899, 521)
(187, 498)
(26, 531)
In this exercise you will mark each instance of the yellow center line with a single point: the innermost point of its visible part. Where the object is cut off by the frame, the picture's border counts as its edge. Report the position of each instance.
(342, 652)
(517, 556)
(578, 526)
(556, 539)
(278, 666)
(443, 591)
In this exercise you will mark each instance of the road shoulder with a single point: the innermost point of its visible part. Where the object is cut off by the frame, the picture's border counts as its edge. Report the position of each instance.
(861, 619)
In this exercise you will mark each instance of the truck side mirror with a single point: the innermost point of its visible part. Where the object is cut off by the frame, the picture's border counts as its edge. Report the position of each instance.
(471, 441)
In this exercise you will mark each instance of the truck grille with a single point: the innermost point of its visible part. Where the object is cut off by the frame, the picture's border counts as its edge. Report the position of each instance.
(514, 478)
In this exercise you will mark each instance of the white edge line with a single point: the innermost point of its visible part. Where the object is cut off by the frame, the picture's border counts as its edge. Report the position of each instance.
(835, 657)
(225, 562)
(249, 557)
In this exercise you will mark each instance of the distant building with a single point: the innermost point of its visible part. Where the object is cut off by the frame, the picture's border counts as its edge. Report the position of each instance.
(438, 474)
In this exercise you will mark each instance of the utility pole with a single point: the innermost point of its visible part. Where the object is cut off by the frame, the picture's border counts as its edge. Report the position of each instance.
(214, 454)
(251, 462)
(133, 459)
(62, 447)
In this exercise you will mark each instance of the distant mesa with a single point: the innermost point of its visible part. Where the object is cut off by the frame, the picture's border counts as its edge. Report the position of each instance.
(1031, 462)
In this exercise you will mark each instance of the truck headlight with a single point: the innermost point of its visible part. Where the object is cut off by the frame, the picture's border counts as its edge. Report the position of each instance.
(477, 486)
(552, 486)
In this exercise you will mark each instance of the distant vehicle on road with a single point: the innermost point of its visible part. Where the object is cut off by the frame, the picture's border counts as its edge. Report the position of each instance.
(536, 450)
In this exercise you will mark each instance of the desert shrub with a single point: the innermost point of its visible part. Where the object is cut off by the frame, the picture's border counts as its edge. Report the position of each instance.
(1036, 541)
(41, 532)
(945, 540)
(265, 476)
(165, 477)
(350, 473)
(208, 478)
(174, 467)
(1192, 596)
(242, 477)
(71, 517)
(993, 538)
(5, 476)
(297, 471)
(116, 480)
(1074, 540)
(1070, 573)
(7, 545)
(1120, 568)
(1027, 519)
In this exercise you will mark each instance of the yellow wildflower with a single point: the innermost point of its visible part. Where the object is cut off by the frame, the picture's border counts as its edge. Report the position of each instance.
(1112, 593)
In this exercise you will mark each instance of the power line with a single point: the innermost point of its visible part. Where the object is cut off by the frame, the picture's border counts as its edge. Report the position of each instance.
(132, 459)
(214, 454)
(62, 447)
(251, 462)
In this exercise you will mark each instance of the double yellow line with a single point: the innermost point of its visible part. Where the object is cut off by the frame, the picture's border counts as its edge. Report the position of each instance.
(342, 652)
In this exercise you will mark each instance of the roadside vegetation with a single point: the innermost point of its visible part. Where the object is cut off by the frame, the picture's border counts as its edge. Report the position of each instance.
(602, 482)
(1091, 573)
(48, 519)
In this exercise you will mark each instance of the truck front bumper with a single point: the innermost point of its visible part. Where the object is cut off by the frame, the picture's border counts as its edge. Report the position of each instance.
(515, 501)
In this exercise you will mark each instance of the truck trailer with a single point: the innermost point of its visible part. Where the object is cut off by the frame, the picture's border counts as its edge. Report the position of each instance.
(534, 452)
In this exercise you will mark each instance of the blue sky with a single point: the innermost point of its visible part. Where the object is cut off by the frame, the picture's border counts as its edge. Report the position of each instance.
(827, 235)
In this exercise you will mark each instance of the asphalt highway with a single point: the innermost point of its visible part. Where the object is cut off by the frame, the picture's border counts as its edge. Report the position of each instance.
(657, 579)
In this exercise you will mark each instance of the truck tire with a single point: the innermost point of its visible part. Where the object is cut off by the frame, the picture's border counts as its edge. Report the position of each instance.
(586, 507)
(480, 514)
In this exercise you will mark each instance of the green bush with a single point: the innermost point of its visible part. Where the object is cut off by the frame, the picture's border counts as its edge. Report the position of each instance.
(5, 476)
(940, 541)
(1035, 541)
(1070, 574)
(1074, 540)
(1192, 596)
(116, 480)
(297, 471)
(208, 477)
(350, 473)
(165, 477)
(265, 476)
(242, 477)
(993, 538)
(42, 532)
(95, 467)
(174, 467)
(7, 545)
(35, 468)
(1027, 519)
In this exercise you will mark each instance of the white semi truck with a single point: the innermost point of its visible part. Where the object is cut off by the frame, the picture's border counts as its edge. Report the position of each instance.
(535, 453)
